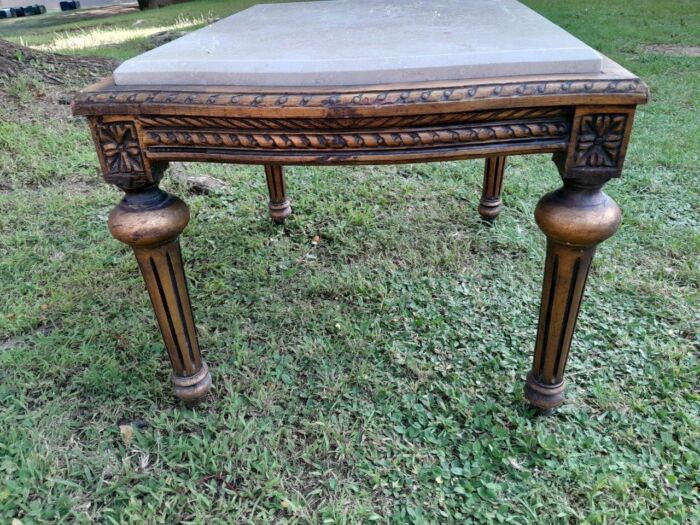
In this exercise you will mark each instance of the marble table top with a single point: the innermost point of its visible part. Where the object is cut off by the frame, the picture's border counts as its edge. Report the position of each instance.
(360, 42)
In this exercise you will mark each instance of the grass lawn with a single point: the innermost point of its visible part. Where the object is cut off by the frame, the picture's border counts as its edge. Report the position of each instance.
(375, 377)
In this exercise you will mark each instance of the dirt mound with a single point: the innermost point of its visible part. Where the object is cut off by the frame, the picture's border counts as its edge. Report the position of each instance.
(672, 50)
(52, 68)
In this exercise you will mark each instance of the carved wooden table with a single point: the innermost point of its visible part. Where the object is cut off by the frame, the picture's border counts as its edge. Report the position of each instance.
(579, 108)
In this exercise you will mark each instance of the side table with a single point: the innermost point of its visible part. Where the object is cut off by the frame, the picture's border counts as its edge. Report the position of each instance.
(368, 82)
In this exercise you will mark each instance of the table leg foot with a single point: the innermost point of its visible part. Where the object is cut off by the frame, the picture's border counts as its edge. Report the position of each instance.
(150, 221)
(279, 205)
(280, 211)
(543, 397)
(193, 389)
(490, 204)
(575, 219)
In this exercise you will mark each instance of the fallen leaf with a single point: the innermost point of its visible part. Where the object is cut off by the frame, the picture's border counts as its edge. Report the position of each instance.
(127, 432)
(515, 464)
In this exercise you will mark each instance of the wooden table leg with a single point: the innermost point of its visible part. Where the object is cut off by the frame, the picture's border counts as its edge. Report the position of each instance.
(150, 220)
(490, 204)
(575, 219)
(279, 204)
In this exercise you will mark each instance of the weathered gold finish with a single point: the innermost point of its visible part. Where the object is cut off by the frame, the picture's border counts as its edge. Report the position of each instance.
(279, 205)
(150, 221)
(584, 120)
(575, 219)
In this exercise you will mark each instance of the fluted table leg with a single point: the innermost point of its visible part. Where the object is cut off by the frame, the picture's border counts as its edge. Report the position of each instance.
(279, 205)
(490, 204)
(150, 221)
(575, 219)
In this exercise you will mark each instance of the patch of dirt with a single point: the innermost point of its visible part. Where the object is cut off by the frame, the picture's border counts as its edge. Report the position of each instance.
(36, 85)
(163, 37)
(672, 50)
(52, 68)
(36, 101)
(102, 11)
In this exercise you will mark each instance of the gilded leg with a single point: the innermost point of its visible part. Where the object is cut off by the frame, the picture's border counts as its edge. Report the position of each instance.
(150, 221)
(575, 219)
(490, 204)
(279, 204)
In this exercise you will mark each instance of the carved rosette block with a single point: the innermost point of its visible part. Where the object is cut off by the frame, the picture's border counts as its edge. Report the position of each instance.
(598, 144)
(490, 204)
(121, 156)
(600, 141)
(278, 205)
(575, 219)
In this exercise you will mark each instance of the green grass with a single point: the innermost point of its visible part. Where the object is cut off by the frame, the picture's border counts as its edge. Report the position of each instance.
(376, 377)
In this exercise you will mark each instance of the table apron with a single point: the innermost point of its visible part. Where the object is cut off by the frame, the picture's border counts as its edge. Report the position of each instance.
(415, 155)
(351, 140)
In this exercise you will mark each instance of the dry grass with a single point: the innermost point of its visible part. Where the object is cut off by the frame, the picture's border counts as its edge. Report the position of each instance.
(77, 40)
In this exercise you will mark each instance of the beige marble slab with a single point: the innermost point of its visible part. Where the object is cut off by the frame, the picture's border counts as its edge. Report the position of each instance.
(355, 42)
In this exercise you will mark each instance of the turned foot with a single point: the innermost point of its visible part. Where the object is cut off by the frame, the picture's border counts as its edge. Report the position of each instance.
(575, 219)
(279, 205)
(150, 221)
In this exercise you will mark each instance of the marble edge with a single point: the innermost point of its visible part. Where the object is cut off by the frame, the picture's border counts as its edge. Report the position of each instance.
(620, 83)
